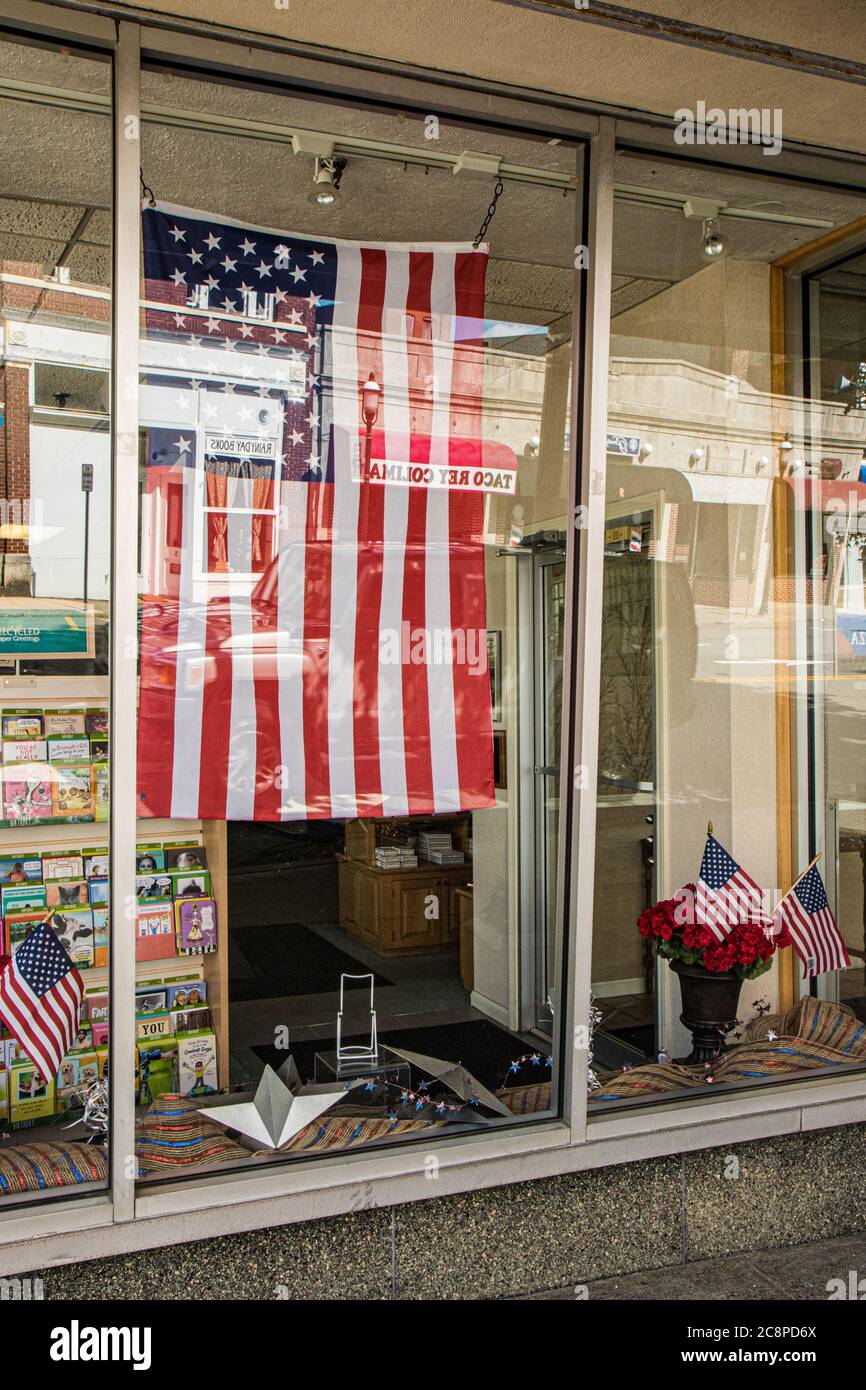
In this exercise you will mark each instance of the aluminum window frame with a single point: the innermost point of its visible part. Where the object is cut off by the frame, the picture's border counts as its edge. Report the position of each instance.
(125, 1219)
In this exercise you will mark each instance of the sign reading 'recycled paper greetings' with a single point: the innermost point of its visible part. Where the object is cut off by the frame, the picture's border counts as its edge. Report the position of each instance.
(52, 629)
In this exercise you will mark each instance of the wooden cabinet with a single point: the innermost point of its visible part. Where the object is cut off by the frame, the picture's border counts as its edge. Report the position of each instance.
(401, 911)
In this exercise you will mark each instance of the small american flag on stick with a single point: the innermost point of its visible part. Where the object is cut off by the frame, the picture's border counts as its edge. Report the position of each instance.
(805, 911)
(40, 999)
(725, 894)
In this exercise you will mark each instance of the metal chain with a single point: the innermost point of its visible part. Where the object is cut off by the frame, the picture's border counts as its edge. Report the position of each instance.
(497, 194)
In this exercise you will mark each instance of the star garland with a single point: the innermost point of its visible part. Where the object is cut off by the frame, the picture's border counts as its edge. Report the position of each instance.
(420, 1097)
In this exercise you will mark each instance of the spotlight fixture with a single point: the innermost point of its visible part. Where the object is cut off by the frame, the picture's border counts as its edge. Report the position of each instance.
(328, 172)
(645, 451)
(695, 457)
(714, 244)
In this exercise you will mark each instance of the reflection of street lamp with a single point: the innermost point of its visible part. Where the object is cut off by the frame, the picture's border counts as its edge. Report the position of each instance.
(785, 448)
(371, 394)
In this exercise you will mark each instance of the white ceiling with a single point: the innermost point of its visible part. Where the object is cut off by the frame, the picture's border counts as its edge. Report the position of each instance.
(62, 159)
(577, 55)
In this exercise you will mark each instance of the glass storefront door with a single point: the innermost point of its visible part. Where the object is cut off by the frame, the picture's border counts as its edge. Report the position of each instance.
(624, 972)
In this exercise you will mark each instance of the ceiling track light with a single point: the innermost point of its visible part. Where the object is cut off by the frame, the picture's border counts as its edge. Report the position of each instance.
(714, 244)
(327, 176)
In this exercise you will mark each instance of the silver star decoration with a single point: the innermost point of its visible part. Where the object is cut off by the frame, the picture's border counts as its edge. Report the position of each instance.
(248, 247)
(279, 1111)
(455, 1077)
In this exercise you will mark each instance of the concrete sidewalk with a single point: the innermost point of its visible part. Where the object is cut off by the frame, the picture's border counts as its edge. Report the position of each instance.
(800, 1272)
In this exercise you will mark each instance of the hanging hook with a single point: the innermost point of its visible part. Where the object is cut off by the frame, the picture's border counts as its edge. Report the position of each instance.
(146, 191)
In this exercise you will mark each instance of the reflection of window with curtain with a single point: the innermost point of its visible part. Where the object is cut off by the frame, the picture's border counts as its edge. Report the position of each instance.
(239, 517)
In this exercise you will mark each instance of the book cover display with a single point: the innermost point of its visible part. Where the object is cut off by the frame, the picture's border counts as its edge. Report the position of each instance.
(176, 919)
(54, 766)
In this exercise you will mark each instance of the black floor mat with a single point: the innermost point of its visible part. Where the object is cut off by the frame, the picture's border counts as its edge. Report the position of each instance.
(640, 1035)
(485, 1049)
(287, 960)
(612, 1051)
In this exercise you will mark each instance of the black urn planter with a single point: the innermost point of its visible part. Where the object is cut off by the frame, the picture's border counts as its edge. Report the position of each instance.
(710, 1001)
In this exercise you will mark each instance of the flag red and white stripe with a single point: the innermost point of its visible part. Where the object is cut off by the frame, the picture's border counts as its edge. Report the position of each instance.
(806, 913)
(40, 999)
(348, 675)
(725, 895)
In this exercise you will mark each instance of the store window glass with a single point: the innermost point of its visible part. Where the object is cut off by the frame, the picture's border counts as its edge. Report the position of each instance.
(833, 501)
(728, 931)
(55, 457)
(354, 473)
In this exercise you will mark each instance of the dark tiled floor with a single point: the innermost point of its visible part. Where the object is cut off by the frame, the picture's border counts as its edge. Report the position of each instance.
(426, 990)
(626, 1010)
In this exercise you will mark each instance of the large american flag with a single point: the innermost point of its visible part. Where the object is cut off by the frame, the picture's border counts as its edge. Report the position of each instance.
(313, 638)
(725, 895)
(806, 913)
(40, 999)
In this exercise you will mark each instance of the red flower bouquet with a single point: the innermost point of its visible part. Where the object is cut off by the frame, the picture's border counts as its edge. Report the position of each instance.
(747, 949)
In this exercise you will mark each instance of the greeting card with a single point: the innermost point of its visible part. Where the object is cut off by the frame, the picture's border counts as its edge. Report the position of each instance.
(196, 925)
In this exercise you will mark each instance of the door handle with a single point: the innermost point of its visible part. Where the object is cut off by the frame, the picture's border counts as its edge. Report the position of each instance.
(546, 771)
